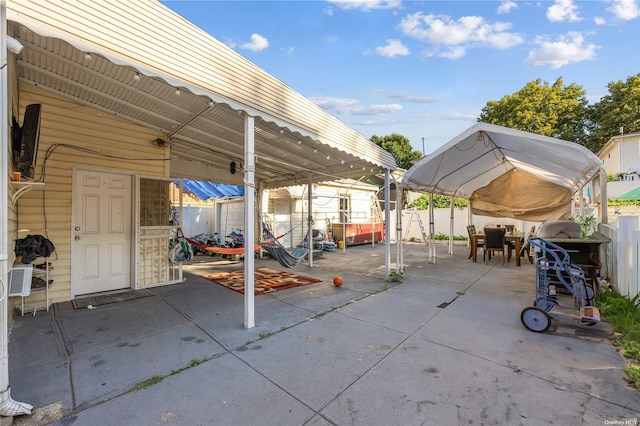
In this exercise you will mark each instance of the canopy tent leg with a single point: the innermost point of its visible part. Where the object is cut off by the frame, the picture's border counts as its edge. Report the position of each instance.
(310, 219)
(451, 225)
(399, 247)
(432, 230)
(387, 217)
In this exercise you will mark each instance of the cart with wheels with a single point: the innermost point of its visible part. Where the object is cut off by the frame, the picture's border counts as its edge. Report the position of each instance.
(562, 291)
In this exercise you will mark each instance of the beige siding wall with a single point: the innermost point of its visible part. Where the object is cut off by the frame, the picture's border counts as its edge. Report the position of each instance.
(75, 135)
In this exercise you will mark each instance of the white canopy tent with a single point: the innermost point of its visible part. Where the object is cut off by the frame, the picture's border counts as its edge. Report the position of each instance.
(510, 173)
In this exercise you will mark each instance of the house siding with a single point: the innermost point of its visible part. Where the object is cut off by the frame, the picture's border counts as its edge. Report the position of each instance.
(74, 135)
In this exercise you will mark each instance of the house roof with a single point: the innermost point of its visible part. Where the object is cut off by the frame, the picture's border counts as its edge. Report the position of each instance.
(616, 139)
(141, 61)
(506, 172)
(634, 194)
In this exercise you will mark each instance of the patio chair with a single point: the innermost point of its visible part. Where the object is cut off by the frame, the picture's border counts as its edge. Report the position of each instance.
(471, 230)
(494, 241)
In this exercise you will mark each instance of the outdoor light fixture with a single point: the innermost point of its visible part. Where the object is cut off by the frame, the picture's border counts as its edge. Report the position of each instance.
(232, 167)
(87, 56)
(159, 142)
(177, 92)
(136, 77)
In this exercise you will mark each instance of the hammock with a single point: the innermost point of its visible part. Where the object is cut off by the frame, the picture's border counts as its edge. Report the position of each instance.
(221, 250)
(279, 252)
(286, 259)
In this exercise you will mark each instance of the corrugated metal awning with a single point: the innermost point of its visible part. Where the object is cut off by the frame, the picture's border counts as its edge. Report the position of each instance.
(141, 61)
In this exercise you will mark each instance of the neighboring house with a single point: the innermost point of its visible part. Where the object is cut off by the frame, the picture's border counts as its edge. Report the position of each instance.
(621, 157)
(335, 205)
(120, 120)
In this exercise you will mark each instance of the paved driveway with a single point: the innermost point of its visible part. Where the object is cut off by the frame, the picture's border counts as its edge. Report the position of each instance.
(371, 352)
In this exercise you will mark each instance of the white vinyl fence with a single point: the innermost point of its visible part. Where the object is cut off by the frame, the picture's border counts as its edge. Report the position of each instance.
(625, 256)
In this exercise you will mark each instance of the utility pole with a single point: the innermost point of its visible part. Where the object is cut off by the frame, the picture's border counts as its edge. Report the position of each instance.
(423, 146)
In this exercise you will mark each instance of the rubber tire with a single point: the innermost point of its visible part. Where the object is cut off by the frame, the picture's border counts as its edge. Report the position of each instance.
(535, 319)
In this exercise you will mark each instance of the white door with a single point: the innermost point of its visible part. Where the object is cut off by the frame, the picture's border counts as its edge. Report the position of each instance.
(282, 210)
(101, 232)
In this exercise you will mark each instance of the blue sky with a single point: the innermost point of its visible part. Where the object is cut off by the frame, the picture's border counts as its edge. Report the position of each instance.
(425, 69)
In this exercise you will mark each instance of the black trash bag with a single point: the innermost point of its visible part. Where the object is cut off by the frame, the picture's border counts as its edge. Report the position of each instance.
(32, 247)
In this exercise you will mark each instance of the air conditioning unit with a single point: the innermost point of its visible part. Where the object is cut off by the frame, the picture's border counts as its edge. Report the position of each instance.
(20, 280)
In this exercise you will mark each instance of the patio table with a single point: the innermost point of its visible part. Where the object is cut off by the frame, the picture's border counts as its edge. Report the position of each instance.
(515, 237)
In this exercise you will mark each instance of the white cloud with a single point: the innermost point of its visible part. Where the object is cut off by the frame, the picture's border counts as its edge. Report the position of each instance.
(256, 44)
(352, 106)
(599, 20)
(403, 97)
(365, 5)
(506, 6)
(453, 53)
(625, 9)
(289, 52)
(393, 48)
(563, 10)
(570, 48)
(452, 38)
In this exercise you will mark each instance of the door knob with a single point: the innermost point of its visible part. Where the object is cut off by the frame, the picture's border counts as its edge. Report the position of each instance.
(77, 228)
(77, 237)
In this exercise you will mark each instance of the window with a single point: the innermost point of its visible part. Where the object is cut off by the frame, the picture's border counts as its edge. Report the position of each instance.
(345, 209)
(155, 206)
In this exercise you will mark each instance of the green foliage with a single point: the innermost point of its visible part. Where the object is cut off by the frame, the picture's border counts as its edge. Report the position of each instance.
(439, 201)
(398, 146)
(633, 371)
(445, 237)
(615, 202)
(587, 223)
(619, 108)
(624, 315)
(396, 275)
(555, 110)
(146, 383)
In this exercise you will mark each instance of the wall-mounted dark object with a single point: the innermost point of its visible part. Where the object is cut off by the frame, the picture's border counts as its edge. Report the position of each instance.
(30, 135)
(232, 167)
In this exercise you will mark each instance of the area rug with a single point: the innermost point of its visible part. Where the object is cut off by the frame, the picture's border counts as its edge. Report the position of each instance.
(267, 280)
(105, 299)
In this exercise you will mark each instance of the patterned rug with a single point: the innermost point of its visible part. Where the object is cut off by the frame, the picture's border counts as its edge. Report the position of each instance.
(267, 280)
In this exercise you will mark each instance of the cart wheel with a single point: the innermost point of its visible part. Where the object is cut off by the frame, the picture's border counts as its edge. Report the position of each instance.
(535, 319)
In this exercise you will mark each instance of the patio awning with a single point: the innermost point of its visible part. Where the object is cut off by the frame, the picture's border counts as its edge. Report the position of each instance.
(506, 172)
(141, 61)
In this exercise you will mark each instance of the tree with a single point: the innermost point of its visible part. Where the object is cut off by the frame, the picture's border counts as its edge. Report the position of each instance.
(619, 109)
(556, 110)
(398, 146)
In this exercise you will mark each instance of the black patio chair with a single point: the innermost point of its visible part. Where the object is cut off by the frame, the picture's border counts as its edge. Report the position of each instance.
(494, 241)
(471, 230)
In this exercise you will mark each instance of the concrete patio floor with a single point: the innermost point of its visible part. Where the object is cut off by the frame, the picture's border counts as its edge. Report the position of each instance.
(372, 352)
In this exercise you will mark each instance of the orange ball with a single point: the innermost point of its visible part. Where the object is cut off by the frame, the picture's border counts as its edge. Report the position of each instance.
(337, 281)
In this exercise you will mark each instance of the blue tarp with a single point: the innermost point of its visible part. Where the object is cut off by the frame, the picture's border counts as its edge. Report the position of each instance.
(206, 190)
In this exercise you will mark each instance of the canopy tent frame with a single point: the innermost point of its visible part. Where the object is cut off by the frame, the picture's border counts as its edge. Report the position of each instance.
(469, 164)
